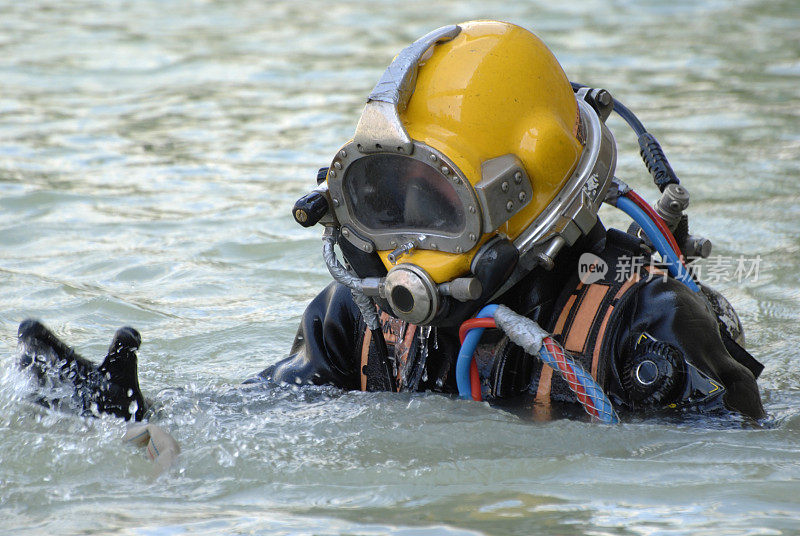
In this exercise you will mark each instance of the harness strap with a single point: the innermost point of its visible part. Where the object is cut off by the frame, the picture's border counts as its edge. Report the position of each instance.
(365, 344)
(581, 327)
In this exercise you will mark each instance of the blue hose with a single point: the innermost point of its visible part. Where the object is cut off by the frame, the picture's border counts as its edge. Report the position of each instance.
(674, 264)
(467, 350)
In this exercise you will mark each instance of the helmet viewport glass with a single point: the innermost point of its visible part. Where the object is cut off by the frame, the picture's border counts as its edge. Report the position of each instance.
(391, 192)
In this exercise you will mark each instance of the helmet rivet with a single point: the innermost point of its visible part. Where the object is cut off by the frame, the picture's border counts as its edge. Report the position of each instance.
(337, 165)
(367, 248)
(522, 197)
(504, 186)
(472, 236)
(445, 170)
(332, 173)
(335, 202)
(343, 153)
(434, 246)
(472, 209)
(432, 157)
(518, 177)
(510, 206)
(459, 250)
(345, 232)
(456, 180)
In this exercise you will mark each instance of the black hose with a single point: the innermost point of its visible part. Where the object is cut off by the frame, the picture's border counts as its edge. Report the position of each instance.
(622, 110)
(656, 161)
(649, 148)
(630, 118)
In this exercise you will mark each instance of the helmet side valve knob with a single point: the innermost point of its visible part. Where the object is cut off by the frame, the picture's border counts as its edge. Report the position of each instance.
(696, 246)
(315, 205)
(671, 205)
(462, 288)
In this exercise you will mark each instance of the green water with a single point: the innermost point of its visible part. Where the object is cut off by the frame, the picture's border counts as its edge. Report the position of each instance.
(149, 155)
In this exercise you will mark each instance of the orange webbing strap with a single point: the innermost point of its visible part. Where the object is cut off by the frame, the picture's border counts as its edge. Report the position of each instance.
(577, 333)
(601, 333)
(587, 308)
(394, 330)
(543, 389)
(365, 357)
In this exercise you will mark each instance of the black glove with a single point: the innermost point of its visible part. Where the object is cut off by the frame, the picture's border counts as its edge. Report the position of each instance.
(70, 382)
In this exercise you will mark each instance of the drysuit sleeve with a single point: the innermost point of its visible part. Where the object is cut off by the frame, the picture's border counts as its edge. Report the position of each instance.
(325, 349)
(670, 313)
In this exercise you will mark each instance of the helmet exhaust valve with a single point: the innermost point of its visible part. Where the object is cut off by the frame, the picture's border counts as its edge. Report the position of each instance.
(412, 294)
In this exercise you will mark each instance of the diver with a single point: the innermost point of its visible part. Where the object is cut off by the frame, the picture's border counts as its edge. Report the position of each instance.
(466, 205)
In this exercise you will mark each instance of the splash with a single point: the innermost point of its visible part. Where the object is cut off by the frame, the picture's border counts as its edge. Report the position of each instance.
(421, 370)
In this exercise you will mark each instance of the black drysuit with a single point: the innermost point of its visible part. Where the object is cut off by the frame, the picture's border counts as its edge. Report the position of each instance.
(689, 340)
(648, 340)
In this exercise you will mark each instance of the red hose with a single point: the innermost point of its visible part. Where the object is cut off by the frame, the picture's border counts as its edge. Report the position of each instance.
(474, 377)
(552, 347)
(658, 220)
(474, 323)
(475, 381)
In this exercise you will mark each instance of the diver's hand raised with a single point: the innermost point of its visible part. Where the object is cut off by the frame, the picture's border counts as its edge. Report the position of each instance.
(70, 382)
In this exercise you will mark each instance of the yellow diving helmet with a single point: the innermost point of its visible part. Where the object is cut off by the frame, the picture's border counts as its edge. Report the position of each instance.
(472, 163)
